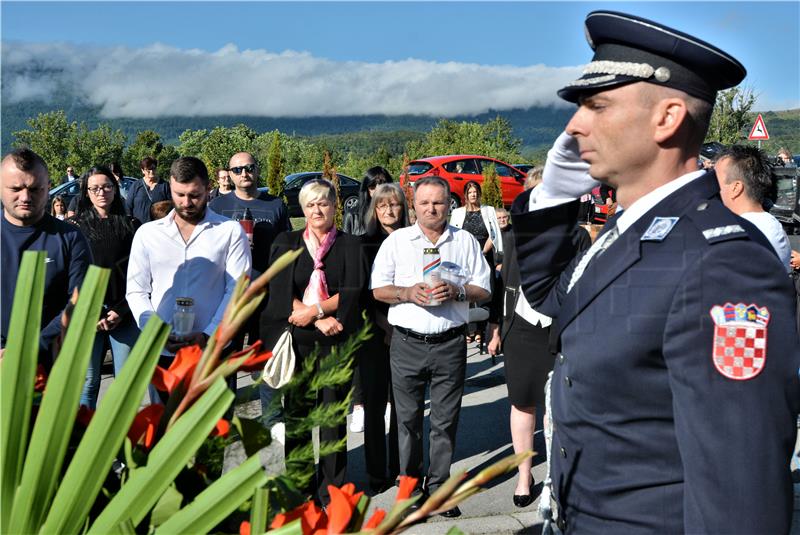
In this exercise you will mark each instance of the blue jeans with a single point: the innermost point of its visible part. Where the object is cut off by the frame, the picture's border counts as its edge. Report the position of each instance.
(121, 341)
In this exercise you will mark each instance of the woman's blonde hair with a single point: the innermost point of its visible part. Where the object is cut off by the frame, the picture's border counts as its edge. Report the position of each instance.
(383, 192)
(317, 188)
(534, 177)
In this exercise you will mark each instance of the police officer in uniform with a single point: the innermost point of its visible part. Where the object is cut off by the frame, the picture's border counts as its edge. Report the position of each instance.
(684, 419)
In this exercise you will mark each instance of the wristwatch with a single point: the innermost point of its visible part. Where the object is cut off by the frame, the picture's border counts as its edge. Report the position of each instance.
(320, 312)
(462, 295)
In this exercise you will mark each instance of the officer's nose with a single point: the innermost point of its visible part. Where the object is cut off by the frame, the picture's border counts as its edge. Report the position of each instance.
(577, 125)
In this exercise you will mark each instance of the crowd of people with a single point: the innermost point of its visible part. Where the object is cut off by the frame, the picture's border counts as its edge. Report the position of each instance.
(650, 340)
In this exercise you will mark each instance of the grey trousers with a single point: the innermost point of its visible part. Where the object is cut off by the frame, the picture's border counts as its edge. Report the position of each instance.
(414, 364)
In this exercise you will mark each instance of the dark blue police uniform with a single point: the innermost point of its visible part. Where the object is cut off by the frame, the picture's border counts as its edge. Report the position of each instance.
(675, 390)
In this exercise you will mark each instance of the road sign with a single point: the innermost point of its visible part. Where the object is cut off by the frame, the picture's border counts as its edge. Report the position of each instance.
(759, 130)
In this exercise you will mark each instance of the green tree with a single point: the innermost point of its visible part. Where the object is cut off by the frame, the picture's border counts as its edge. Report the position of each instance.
(491, 194)
(275, 169)
(731, 115)
(61, 143)
(147, 143)
(191, 142)
(329, 173)
(493, 139)
(222, 143)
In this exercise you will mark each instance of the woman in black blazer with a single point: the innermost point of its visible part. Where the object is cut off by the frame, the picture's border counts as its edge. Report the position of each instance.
(318, 298)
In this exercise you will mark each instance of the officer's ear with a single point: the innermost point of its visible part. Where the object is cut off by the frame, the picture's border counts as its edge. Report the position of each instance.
(669, 115)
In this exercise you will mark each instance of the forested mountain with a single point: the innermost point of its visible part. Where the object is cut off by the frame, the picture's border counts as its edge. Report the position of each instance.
(536, 127)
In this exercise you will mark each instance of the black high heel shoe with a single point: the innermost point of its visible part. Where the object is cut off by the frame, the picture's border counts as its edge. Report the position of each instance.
(524, 500)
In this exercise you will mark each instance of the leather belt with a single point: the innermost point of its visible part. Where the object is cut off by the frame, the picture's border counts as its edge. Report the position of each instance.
(437, 338)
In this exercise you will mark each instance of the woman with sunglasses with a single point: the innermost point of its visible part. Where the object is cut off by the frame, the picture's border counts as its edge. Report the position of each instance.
(319, 298)
(101, 216)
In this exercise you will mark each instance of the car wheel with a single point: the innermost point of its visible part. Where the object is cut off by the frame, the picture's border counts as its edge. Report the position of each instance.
(350, 203)
(454, 202)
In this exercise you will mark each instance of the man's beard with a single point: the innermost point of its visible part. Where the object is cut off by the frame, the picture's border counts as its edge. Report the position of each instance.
(192, 217)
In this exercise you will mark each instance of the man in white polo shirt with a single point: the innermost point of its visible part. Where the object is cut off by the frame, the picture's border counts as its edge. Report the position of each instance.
(428, 344)
(192, 252)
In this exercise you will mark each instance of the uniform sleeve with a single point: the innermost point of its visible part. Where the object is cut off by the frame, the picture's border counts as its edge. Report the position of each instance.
(238, 261)
(80, 258)
(735, 435)
(545, 251)
(139, 281)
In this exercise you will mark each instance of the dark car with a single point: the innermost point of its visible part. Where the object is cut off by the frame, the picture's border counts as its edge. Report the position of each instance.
(524, 167)
(786, 208)
(348, 190)
(69, 190)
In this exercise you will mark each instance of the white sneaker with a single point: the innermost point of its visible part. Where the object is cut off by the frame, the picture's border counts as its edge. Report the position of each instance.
(387, 417)
(278, 433)
(357, 420)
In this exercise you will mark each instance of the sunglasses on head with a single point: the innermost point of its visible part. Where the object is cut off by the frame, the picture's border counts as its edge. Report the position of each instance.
(238, 170)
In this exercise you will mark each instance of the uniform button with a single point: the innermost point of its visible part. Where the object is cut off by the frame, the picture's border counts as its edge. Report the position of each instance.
(563, 453)
(702, 206)
(568, 381)
(561, 358)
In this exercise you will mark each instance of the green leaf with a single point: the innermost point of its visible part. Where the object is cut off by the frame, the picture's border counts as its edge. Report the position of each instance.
(295, 527)
(56, 417)
(166, 460)
(106, 432)
(454, 531)
(259, 511)
(254, 435)
(167, 506)
(216, 502)
(18, 377)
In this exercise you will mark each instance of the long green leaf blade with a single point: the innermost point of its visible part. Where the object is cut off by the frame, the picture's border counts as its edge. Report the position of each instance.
(216, 502)
(18, 375)
(56, 416)
(167, 459)
(106, 432)
(259, 511)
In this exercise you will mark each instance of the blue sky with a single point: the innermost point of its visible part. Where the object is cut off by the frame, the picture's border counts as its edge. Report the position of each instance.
(334, 58)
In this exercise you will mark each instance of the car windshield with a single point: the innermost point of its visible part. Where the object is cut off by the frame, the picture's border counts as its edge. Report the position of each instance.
(418, 168)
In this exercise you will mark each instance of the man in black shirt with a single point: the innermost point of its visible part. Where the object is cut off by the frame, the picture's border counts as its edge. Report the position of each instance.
(26, 226)
(147, 191)
(269, 217)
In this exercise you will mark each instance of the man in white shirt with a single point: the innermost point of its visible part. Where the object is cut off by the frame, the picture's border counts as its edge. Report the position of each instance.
(652, 430)
(192, 252)
(428, 343)
(745, 181)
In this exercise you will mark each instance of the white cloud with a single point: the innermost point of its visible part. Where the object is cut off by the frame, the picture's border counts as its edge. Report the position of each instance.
(160, 80)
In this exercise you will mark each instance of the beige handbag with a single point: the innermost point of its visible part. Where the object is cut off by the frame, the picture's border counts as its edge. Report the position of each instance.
(280, 368)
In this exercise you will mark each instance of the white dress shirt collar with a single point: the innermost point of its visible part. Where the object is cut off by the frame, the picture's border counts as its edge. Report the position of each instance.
(643, 205)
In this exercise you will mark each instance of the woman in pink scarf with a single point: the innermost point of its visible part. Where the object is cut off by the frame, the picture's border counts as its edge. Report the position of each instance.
(319, 298)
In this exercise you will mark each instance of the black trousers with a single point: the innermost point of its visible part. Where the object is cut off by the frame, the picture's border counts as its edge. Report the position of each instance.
(332, 469)
(414, 365)
(375, 379)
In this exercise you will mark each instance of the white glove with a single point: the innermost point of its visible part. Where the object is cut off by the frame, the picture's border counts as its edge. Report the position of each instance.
(565, 175)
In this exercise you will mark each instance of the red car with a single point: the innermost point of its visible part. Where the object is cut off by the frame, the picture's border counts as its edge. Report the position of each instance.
(460, 169)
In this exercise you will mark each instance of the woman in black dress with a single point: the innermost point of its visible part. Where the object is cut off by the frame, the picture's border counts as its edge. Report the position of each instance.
(101, 216)
(387, 213)
(318, 297)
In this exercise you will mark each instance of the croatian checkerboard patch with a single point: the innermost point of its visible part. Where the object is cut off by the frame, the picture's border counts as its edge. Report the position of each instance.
(740, 339)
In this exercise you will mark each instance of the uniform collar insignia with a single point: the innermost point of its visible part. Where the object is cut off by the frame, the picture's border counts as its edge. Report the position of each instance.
(659, 228)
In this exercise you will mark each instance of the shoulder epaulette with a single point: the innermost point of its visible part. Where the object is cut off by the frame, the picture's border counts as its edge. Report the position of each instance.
(716, 222)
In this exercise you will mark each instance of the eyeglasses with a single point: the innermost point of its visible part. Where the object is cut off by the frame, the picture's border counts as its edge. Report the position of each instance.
(250, 168)
(383, 206)
(94, 190)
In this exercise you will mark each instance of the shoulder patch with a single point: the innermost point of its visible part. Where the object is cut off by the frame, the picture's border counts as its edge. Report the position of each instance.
(740, 339)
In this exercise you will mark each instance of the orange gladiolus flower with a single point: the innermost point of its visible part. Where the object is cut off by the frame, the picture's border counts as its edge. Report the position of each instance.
(312, 519)
(256, 361)
(375, 520)
(41, 379)
(406, 487)
(340, 510)
(145, 424)
(222, 428)
(182, 368)
(244, 528)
